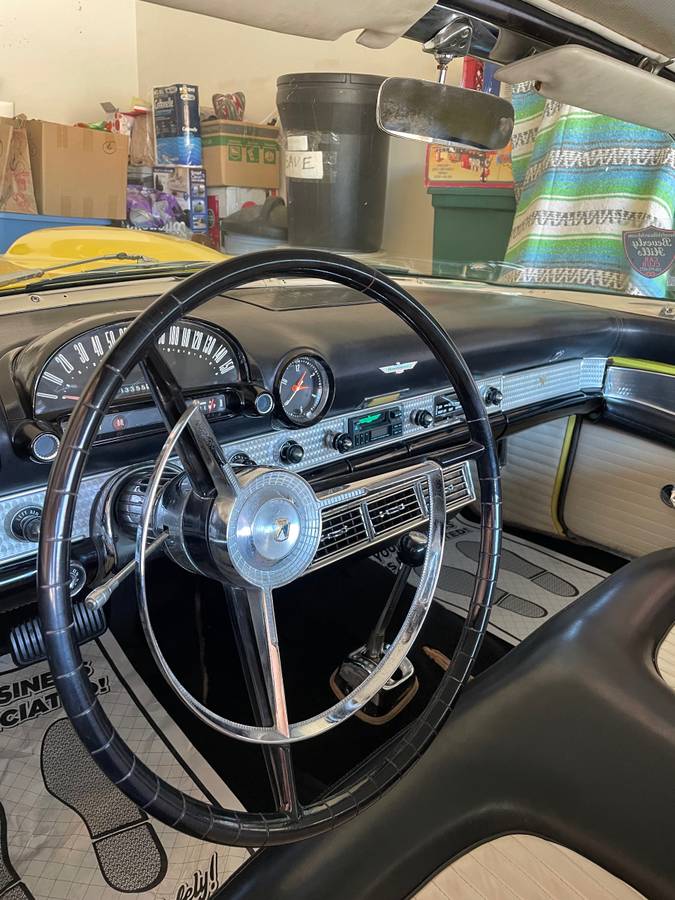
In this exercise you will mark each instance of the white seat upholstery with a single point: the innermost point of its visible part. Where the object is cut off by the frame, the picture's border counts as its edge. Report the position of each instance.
(523, 867)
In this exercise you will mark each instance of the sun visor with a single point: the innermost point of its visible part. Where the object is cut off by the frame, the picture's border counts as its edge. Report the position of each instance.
(381, 21)
(598, 83)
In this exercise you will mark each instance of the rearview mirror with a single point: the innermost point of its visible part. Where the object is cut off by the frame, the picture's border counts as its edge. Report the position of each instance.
(443, 114)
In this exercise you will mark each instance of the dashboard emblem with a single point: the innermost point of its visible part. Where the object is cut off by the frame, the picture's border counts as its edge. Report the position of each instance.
(398, 368)
(282, 529)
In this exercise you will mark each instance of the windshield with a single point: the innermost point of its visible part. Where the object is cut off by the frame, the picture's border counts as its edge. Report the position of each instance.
(193, 159)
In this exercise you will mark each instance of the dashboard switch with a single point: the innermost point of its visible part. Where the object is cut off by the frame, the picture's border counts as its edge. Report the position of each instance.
(341, 442)
(423, 417)
(492, 396)
(291, 453)
(35, 441)
(25, 524)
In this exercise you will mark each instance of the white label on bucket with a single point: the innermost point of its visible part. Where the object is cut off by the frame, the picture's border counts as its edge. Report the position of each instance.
(296, 142)
(304, 164)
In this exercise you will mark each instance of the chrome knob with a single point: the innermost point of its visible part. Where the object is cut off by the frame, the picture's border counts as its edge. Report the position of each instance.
(423, 417)
(493, 396)
(341, 442)
(291, 453)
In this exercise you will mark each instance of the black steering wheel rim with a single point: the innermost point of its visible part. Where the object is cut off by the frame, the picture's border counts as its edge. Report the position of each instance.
(117, 761)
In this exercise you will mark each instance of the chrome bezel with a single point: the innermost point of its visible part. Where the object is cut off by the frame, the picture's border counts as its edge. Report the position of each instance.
(328, 388)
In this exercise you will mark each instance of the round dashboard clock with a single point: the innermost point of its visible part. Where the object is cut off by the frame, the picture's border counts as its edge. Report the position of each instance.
(303, 389)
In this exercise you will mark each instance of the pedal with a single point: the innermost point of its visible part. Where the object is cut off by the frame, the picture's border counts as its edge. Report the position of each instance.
(27, 642)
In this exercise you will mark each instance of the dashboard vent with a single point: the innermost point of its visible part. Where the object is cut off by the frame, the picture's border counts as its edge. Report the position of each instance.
(341, 529)
(396, 510)
(458, 488)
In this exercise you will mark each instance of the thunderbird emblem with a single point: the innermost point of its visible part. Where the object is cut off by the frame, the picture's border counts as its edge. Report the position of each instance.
(650, 251)
(398, 368)
(282, 529)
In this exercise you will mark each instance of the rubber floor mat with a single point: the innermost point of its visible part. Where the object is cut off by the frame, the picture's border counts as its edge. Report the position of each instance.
(66, 832)
(533, 585)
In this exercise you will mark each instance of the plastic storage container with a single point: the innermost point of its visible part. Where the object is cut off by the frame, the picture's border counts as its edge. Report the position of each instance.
(471, 223)
(335, 160)
(14, 225)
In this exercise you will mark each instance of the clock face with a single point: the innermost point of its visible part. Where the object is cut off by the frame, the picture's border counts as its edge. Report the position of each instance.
(303, 390)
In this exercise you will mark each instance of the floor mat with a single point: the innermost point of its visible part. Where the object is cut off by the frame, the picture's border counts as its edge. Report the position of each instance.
(65, 830)
(533, 585)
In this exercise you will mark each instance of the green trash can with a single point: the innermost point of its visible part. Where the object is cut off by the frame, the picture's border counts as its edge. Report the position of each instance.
(471, 223)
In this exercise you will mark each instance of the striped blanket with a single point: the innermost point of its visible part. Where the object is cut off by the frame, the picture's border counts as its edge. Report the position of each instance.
(581, 180)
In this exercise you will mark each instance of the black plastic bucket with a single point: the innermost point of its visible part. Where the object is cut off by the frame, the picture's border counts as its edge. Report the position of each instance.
(335, 160)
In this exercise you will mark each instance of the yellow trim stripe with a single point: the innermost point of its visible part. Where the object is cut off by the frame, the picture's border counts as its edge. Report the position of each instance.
(646, 365)
(560, 474)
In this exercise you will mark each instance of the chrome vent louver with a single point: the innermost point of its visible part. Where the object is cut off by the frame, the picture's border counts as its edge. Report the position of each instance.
(383, 514)
(458, 490)
(341, 528)
(396, 509)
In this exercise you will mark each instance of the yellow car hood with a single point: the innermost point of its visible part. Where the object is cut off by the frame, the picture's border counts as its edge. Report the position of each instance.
(46, 247)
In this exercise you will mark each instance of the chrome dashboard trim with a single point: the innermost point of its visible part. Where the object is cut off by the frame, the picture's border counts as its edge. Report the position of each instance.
(518, 389)
(637, 387)
(368, 490)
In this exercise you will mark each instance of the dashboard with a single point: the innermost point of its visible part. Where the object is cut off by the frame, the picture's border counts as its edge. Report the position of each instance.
(308, 377)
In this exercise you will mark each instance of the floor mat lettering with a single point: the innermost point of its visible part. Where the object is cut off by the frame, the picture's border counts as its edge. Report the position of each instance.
(66, 831)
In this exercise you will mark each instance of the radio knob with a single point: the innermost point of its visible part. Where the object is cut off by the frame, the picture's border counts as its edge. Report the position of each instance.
(291, 453)
(423, 417)
(25, 524)
(341, 442)
(493, 396)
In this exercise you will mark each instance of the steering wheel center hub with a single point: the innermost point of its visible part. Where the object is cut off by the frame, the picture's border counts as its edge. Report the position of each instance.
(270, 533)
(275, 528)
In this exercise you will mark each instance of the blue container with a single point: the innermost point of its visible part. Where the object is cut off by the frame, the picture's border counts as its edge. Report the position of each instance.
(14, 225)
(177, 131)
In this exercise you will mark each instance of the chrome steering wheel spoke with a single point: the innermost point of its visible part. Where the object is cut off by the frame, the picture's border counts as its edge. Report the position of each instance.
(257, 642)
(263, 621)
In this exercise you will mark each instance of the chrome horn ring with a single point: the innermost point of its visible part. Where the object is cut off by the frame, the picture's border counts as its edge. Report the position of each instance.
(242, 541)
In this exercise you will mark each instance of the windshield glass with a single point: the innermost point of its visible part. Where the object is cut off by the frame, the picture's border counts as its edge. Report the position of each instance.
(194, 157)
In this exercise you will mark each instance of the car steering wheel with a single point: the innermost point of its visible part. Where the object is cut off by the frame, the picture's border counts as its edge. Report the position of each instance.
(222, 523)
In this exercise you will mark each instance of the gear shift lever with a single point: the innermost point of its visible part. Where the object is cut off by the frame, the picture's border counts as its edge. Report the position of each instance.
(402, 686)
(411, 553)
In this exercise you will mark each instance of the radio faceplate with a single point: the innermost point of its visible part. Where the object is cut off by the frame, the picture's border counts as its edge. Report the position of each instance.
(371, 427)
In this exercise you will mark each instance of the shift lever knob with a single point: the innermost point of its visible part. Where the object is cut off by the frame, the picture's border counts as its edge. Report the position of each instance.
(412, 549)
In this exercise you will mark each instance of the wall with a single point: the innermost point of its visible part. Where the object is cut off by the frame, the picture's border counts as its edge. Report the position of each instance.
(176, 46)
(60, 58)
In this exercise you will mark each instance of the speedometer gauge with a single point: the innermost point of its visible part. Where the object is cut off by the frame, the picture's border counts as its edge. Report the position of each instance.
(199, 357)
(303, 390)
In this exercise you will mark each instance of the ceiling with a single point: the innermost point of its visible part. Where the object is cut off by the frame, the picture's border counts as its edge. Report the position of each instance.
(381, 21)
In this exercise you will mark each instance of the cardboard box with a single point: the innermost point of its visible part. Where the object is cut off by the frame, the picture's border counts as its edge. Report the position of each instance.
(177, 134)
(241, 154)
(16, 181)
(78, 171)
